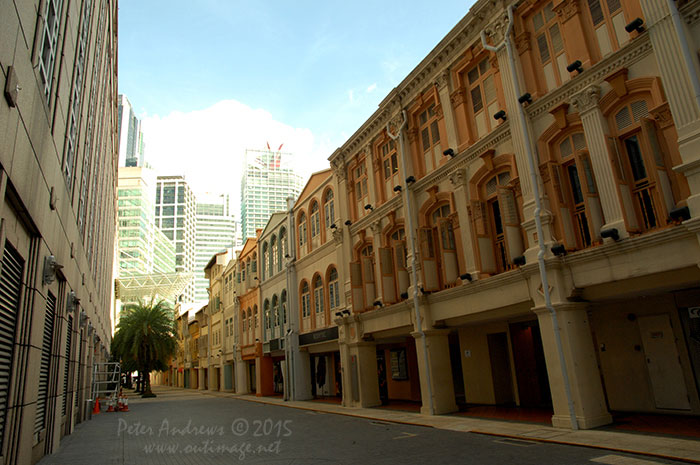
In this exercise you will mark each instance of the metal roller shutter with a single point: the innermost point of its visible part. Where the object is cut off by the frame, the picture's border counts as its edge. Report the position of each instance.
(66, 368)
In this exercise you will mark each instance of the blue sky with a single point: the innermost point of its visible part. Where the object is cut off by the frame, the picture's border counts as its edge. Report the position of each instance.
(307, 74)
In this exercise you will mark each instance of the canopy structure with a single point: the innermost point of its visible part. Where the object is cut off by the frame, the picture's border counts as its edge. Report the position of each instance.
(166, 286)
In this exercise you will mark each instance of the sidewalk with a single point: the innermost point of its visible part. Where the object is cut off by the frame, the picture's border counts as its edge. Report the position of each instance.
(666, 447)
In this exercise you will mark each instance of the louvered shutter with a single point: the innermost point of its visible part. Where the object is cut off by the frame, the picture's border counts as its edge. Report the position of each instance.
(10, 286)
(511, 225)
(448, 250)
(368, 281)
(386, 264)
(66, 367)
(429, 261)
(356, 284)
(45, 367)
(657, 155)
(400, 266)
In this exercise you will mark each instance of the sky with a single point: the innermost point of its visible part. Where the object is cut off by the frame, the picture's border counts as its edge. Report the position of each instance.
(210, 78)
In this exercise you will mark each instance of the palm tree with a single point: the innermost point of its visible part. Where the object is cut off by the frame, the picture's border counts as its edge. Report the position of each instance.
(146, 338)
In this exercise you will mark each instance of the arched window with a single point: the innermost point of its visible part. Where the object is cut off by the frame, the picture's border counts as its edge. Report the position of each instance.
(480, 86)
(438, 250)
(284, 246)
(333, 291)
(254, 268)
(362, 279)
(394, 269)
(244, 326)
(642, 165)
(274, 258)
(329, 208)
(242, 268)
(275, 311)
(305, 304)
(577, 192)
(265, 258)
(255, 316)
(360, 190)
(315, 221)
(302, 231)
(266, 315)
(496, 223)
(247, 268)
(250, 326)
(318, 302)
(283, 306)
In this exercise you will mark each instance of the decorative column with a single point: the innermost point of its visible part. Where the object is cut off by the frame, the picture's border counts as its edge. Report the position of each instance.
(442, 85)
(376, 228)
(595, 128)
(581, 364)
(458, 180)
(675, 76)
(341, 235)
(438, 362)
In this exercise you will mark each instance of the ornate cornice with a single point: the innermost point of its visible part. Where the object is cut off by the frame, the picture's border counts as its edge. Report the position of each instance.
(567, 10)
(623, 58)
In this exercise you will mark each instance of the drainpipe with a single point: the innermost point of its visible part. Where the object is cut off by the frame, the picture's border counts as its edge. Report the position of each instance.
(538, 209)
(290, 392)
(685, 50)
(414, 274)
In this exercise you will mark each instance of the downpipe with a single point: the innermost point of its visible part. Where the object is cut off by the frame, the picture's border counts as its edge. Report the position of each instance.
(538, 209)
(414, 274)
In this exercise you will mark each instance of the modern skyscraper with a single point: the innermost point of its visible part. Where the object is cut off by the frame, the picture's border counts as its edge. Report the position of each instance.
(175, 216)
(268, 179)
(142, 248)
(131, 144)
(215, 231)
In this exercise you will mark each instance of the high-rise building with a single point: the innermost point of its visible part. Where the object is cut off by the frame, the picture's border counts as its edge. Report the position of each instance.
(175, 216)
(131, 144)
(268, 180)
(142, 247)
(214, 232)
(58, 159)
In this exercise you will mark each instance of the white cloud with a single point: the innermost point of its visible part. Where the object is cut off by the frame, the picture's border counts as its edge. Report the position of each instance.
(208, 146)
(351, 94)
(372, 88)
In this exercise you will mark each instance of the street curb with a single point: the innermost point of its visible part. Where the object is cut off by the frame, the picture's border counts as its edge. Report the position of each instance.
(311, 409)
(248, 398)
(590, 446)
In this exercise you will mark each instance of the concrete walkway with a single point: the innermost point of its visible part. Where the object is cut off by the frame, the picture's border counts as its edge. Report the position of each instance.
(667, 447)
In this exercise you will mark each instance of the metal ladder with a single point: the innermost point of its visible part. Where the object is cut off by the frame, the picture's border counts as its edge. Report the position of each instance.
(105, 374)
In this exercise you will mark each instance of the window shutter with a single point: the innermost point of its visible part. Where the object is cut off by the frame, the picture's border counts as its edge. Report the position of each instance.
(430, 271)
(657, 154)
(511, 225)
(400, 266)
(615, 159)
(448, 250)
(45, 365)
(356, 286)
(386, 264)
(10, 287)
(368, 280)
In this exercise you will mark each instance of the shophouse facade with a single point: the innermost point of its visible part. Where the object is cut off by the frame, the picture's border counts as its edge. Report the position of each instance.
(439, 187)
(249, 348)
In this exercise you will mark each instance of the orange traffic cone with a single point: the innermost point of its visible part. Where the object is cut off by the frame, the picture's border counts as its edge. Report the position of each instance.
(96, 408)
(125, 404)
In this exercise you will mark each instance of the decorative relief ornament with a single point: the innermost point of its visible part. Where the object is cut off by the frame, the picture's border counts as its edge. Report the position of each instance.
(566, 10)
(337, 236)
(442, 79)
(497, 30)
(376, 227)
(458, 178)
(586, 99)
(522, 42)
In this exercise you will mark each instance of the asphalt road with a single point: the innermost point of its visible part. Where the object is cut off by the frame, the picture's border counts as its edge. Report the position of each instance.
(186, 428)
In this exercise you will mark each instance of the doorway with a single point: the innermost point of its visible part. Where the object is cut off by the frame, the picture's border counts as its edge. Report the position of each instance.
(663, 364)
(530, 366)
(251, 377)
(500, 368)
(457, 374)
(381, 376)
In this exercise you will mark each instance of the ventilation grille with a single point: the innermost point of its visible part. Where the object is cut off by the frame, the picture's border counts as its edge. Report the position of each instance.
(10, 286)
(66, 367)
(45, 368)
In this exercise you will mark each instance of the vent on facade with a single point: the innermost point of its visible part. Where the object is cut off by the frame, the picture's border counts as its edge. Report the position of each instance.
(66, 368)
(45, 367)
(10, 285)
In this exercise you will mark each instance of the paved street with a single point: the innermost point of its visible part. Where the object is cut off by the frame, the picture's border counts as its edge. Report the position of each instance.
(186, 427)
